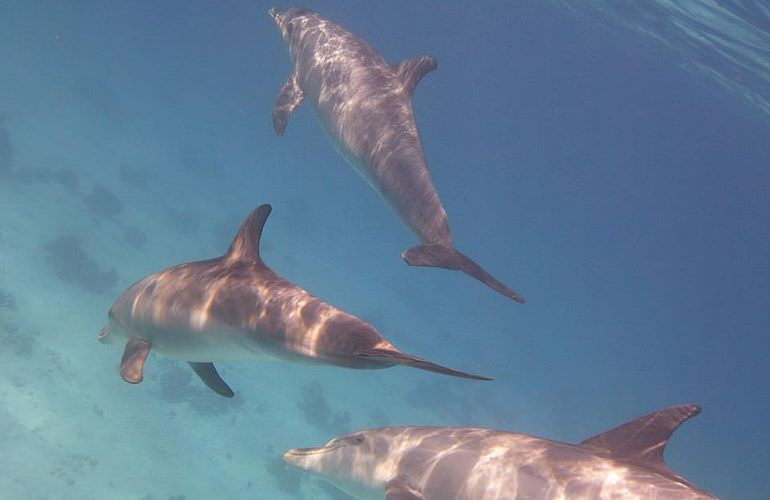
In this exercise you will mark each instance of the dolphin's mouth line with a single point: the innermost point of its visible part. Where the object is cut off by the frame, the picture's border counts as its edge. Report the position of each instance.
(302, 452)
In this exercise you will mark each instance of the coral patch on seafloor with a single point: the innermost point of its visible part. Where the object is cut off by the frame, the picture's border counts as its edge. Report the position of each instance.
(134, 237)
(7, 300)
(103, 202)
(74, 266)
(317, 412)
(185, 221)
(136, 177)
(63, 176)
(287, 478)
(177, 386)
(6, 151)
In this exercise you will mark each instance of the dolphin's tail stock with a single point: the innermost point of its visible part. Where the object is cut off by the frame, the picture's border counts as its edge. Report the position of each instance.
(392, 357)
(449, 258)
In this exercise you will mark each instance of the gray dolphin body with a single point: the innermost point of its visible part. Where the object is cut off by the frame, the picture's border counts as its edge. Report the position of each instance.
(365, 106)
(236, 308)
(445, 463)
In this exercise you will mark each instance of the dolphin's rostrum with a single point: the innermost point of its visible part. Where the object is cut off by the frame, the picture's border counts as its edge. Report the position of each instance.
(365, 106)
(445, 463)
(235, 307)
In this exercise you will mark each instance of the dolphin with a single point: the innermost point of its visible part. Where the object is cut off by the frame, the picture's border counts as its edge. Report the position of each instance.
(234, 307)
(365, 106)
(444, 463)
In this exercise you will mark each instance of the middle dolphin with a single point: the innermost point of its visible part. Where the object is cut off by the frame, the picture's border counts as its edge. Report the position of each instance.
(235, 307)
(365, 106)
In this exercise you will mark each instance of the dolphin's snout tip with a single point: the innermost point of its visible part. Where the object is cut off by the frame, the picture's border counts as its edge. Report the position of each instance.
(274, 12)
(291, 456)
(102, 337)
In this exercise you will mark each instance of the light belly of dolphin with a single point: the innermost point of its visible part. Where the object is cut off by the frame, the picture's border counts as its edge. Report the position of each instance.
(219, 344)
(358, 165)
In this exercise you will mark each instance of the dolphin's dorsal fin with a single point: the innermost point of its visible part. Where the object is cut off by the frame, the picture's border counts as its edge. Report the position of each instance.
(245, 246)
(644, 439)
(411, 71)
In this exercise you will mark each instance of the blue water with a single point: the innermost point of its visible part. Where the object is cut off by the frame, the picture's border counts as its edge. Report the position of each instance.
(610, 163)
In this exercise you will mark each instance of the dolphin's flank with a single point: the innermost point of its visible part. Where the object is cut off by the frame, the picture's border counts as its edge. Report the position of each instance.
(463, 463)
(365, 106)
(234, 307)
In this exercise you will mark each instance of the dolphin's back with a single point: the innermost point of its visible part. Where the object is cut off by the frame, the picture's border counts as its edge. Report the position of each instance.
(488, 464)
(366, 110)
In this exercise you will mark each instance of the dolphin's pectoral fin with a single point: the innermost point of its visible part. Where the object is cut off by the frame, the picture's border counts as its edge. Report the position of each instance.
(134, 356)
(411, 71)
(288, 100)
(398, 489)
(643, 439)
(208, 373)
(391, 357)
(448, 258)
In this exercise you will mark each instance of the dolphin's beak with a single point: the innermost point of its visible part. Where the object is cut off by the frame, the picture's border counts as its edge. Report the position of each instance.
(296, 456)
(276, 14)
(303, 452)
(104, 336)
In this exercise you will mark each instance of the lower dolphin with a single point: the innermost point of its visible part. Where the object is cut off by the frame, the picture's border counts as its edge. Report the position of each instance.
(445, 463)
(234, 307)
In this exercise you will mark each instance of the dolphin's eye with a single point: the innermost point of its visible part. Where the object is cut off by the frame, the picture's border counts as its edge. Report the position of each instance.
(356, 440)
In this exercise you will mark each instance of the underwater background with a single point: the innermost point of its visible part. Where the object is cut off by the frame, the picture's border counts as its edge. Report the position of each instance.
(608, 160)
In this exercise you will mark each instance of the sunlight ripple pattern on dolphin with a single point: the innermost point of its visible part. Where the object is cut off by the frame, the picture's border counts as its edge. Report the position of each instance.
(460, 463)
(234, 307)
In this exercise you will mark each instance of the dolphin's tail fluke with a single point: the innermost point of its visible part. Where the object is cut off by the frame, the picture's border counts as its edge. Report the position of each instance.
(449, 258)
(391, 357)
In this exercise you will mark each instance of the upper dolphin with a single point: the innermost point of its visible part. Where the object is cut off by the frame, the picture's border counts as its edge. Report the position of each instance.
(446, 463)
(365, 105)
(235, 307)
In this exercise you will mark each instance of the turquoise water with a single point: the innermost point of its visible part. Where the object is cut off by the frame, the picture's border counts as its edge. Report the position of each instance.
(611, 164)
